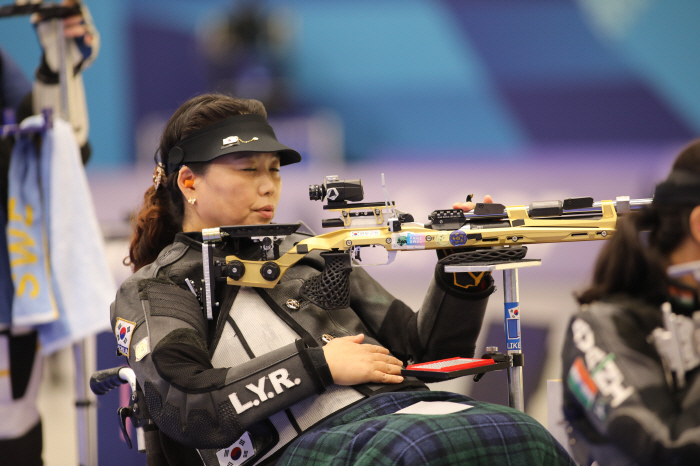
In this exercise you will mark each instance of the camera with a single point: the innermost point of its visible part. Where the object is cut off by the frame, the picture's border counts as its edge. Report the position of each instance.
(337, 191)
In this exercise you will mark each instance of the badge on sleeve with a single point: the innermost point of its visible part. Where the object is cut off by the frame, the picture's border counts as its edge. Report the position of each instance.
(124, 331)
(238, 453)
(142, 349)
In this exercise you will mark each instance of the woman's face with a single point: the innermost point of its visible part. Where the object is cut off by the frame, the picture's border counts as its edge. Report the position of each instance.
(238, 189)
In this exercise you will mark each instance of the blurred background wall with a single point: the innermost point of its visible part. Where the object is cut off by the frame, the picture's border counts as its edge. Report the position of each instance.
(525, 101)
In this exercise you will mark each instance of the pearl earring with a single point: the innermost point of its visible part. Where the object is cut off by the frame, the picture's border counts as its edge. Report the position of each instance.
(192, 200)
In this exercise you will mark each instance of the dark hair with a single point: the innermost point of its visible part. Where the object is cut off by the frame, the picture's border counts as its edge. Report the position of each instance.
(162, 212)
(634, 263)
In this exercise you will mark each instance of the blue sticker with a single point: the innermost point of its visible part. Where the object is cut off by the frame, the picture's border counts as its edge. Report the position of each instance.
(458, 238)
(512, 324)
(416, 239)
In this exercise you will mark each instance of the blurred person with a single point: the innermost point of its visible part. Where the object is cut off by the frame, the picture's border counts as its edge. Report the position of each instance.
(20, 423)
(624, 399)
(246, 52)
(272, 364)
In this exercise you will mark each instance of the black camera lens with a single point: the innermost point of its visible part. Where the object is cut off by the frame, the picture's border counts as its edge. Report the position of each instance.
(315, 192)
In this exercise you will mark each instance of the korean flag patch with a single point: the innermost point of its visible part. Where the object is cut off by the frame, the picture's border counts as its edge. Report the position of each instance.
(238, 453)
(124, 331)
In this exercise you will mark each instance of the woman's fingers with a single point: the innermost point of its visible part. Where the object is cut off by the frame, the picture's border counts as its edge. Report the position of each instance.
(383, 377)
(375, 349)
(465, 206)
(351, 362)
(387, 368)
(469, 206)
(388, 359)
(74, 32)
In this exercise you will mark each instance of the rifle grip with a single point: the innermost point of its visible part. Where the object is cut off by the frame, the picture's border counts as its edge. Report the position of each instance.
(331, 289)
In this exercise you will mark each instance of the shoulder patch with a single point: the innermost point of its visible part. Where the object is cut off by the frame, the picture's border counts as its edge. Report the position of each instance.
(124, 330)
(142, 349)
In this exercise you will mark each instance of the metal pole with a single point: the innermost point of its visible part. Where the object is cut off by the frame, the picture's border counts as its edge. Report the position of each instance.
(511, 300)
(85, 366)
(63, 69)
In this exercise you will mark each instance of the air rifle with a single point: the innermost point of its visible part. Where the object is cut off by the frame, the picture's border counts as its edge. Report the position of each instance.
(492, 233)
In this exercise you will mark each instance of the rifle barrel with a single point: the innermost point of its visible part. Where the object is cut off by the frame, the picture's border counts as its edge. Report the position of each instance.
(638, 203)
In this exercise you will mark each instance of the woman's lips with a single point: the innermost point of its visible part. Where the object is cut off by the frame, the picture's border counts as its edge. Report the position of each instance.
(266, 212)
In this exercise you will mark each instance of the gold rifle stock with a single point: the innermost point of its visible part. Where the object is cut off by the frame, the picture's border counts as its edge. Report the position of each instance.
(413, 236)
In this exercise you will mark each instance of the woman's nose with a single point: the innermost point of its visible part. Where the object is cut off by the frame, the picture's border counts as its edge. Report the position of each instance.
(268, 183)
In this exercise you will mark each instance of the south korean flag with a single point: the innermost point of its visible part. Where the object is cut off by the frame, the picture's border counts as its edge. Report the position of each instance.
(123, 331)
(238, 453)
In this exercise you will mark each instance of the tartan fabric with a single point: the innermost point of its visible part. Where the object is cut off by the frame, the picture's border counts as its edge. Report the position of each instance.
(370, 434)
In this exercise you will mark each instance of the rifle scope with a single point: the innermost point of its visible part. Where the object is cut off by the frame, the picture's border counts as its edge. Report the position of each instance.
(336, 190)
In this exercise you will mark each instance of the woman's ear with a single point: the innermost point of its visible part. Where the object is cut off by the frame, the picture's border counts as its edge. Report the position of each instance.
(186, 181)
(695, 224)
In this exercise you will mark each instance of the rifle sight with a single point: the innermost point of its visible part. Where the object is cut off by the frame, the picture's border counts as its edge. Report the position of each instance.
(337, 191)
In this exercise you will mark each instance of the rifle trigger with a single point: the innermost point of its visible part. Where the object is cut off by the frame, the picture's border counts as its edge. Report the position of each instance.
(469, 197)
(356, 253)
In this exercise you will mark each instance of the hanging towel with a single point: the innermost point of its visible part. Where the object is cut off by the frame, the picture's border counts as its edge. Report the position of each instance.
(33, 302)
(79, 277)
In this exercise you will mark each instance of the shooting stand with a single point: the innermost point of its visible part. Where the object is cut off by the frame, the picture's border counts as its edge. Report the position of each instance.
(511, 298)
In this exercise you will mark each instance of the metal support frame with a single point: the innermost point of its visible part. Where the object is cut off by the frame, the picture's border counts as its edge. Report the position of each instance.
(85, 356)
(511, 301)
(84, 351)
(63, 69)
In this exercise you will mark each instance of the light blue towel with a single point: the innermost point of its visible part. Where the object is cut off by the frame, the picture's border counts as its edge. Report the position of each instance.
(81, 281)
(27, 234)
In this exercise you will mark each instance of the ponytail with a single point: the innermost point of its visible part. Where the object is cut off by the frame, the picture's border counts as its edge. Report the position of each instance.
(160, 217)
(154, 228)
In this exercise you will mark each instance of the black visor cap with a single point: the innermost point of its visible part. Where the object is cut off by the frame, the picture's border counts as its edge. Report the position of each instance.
(239, 133)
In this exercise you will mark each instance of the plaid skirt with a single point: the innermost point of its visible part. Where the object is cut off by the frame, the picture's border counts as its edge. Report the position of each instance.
(369, 433)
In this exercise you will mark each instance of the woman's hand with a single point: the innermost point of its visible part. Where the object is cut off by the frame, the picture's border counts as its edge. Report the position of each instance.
(469, 206)
(352, 363)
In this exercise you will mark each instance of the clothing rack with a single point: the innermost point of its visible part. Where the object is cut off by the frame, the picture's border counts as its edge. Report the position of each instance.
(85, 351)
